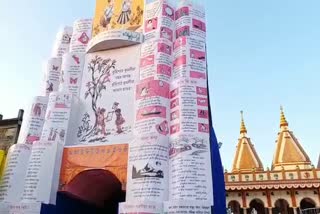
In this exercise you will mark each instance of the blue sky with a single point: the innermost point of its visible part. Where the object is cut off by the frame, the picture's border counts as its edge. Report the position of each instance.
(262, 54)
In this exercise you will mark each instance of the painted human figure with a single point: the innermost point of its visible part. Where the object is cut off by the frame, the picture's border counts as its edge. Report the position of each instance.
(62, 135)
(150, 25)
(107, 15)
(54, 136)
(50, 135)
(162, 128)
(37, 110)
(125, 12)
(101, 124)
(174, 116)
(168, 50)
(185, 32)
(144, 92)
(119, 118)
(203, 128)
(164, 34)
(62, 76)
(66, 100)
(49, 86)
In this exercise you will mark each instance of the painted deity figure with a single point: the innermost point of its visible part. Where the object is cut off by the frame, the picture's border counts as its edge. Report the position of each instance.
(107, 15)
(125, 12)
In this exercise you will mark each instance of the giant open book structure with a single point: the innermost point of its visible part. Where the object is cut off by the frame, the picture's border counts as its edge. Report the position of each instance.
(125, 92)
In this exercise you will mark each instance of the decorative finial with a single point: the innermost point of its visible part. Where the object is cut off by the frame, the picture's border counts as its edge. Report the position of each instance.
(243, 129)
(283, 120)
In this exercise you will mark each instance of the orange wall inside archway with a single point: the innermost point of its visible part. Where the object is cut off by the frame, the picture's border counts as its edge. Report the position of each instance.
(113, 158)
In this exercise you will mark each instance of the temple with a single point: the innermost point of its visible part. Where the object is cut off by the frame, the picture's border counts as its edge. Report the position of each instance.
(291, 185)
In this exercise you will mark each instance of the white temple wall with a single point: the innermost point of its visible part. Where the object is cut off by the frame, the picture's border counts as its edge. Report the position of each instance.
(281, 194)
(302, 194)
(257, 195)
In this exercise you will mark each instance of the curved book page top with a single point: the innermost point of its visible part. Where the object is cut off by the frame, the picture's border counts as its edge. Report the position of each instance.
(114, 39)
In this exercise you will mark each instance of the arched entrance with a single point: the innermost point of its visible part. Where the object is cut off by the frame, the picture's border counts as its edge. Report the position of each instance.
(282, 206)
(98, 188)
(235, 207)
(307, 203)
(257, 207)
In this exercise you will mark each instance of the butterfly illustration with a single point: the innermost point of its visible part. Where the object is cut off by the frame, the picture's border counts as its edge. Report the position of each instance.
(55, 68)
(73, 80)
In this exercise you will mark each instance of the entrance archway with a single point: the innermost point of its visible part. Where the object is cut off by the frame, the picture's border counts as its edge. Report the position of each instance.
(282, 207)
(235, 207)
(307, 203)
(97, 188)
(257, 206)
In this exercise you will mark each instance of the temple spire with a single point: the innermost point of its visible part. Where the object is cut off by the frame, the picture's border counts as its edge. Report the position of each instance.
(246, 158)
(243, 129)
(283, 120)
(289, 153)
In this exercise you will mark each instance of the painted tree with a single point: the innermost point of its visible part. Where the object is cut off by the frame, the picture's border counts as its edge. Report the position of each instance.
(100, 71)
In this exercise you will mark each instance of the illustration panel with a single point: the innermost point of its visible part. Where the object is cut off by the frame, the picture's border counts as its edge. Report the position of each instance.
(107, 94)
(118, 14)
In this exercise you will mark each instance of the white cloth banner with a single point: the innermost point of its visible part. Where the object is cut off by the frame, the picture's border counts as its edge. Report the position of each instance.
(107, 97)
(148, 171)
(32, 130)
(159, 20)
(71, 73)
(156, 60)
(190, 168)
(20, 208)
(189, 59)
(57, 117)
(189, 107)
(82, 30)
(190, 20)
(42, 177)
(152, 112)
(62, 42)
(140, 207)
(11, 188)
(52, 74)
(178, 207)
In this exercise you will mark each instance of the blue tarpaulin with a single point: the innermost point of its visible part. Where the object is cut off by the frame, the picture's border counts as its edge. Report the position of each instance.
(217, 176)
